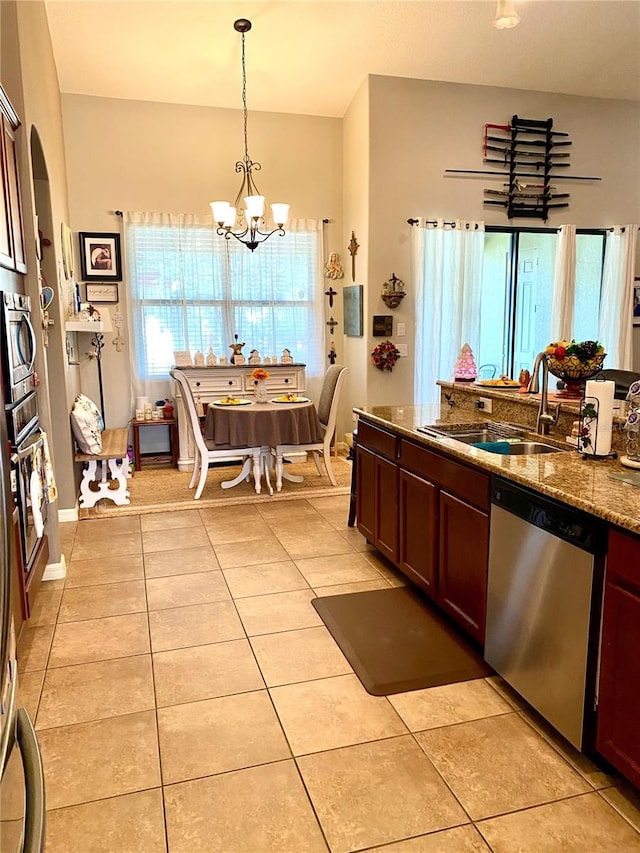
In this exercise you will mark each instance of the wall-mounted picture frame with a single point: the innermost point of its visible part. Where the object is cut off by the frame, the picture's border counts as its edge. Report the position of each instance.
(103, 292)
(100, 256)
(66, 241)
(636, 301)
(382, 326)
(352, 306)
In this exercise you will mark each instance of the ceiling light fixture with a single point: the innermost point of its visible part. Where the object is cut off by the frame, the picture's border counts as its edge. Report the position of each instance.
(506, 16)
(247, 221)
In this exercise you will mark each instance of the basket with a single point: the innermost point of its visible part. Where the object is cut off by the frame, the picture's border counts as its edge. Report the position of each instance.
(571, 368)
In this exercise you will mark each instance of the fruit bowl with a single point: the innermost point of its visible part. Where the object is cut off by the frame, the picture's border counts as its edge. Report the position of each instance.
(574, 371)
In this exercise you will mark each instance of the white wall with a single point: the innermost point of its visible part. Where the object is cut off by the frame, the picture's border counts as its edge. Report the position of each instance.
(420, 128)
(133, 155)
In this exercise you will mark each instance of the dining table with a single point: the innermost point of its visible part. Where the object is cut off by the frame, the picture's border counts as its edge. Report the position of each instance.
(248, 423)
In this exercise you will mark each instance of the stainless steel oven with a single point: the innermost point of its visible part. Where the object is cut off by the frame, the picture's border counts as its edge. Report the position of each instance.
(19, 346)
(22, 418)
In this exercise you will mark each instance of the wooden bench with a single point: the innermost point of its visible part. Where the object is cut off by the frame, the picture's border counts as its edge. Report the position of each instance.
(111, 481)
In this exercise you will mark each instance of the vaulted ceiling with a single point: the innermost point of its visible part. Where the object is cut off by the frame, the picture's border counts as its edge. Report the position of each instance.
(310, 56)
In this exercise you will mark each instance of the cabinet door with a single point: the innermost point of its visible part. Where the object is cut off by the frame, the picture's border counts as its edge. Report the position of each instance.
(6, 252)
(386, 506)
(365, 492)
(462, 572)
(418, 536)
(13, 197)
(618, 734)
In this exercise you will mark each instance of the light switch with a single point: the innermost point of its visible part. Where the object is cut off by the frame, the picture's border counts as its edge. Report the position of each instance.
(402, 349)
(402, 330)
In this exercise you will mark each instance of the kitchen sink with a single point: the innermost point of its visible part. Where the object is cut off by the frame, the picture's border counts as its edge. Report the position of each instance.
(524, 448)
(508, 439)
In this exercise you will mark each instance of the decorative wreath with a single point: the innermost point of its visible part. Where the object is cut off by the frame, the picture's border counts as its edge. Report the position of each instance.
(385, 355)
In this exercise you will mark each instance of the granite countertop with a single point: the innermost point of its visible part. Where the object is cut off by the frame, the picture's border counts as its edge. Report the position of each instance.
(565, 476)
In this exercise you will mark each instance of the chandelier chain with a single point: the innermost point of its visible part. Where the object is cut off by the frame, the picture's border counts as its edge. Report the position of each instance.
(244, 105)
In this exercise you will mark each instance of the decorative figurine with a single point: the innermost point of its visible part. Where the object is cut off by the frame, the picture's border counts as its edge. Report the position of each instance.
(198, 359)
(332, 355)
(333, 267)
(237, 357)
(465, 369)
(211, 358)
(286, 358)
(266, 360)
(223, 361)
(254, 357)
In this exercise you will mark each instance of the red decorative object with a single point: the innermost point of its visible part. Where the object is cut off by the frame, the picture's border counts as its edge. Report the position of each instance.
(385, 355)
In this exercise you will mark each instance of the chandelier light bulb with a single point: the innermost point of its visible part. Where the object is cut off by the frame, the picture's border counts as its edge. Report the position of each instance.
(280, 213)
(255, 206)
(220, 210)
(506, 16)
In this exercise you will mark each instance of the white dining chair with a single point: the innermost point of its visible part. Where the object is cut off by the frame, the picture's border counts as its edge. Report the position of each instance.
(207, 452)
(327, 415)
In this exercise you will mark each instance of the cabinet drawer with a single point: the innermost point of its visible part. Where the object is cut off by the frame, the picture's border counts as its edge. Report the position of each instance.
(623, 559)
(212, 386)
(383, 442)
(461, 480)
(276, 383)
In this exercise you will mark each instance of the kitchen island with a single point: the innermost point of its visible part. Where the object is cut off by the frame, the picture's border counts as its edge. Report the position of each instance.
(424, 500)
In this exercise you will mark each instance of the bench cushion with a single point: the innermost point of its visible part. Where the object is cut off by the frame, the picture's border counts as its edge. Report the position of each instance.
(86, 426)
(114, 446)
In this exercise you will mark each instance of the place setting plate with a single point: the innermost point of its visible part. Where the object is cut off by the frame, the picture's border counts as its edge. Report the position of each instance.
(497, 384)
(290, 398)
(232, 401)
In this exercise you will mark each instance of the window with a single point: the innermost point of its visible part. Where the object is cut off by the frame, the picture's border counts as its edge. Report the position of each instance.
(191, 290)
(517, 292)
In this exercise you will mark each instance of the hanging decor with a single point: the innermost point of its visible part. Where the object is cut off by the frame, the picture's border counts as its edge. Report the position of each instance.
(385, 355)
(393, 291)
(353, 251)
(233, 221)
(333, 267)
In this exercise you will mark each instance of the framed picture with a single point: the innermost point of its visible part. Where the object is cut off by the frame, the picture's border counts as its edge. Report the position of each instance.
(382, 326)
(100, 256)
(102, 292)
(352, 304)
(636, 301)
(67, 251)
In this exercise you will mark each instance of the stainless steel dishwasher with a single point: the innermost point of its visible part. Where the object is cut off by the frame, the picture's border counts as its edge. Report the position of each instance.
(543, 605)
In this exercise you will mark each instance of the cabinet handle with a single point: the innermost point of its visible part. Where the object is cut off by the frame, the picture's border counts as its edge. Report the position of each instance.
(231, 382)
(197, 384)
(286, 381)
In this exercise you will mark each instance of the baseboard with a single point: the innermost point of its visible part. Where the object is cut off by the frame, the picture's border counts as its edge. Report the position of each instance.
(55, 571)
(68, 514)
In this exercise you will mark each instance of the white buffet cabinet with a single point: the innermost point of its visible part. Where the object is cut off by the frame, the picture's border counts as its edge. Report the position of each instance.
(211, 383)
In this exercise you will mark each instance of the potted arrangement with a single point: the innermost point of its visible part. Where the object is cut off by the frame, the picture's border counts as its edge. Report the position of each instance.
(260, 376)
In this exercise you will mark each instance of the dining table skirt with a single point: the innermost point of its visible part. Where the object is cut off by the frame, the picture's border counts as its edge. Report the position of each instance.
(262, 424)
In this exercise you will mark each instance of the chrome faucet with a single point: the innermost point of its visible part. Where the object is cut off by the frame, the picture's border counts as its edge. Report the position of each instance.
(545, 419)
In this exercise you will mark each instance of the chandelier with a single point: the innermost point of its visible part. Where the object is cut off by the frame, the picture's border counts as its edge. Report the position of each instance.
(232, 220)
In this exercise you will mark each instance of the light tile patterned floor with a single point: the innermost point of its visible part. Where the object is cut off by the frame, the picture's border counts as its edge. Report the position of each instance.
(188, 699)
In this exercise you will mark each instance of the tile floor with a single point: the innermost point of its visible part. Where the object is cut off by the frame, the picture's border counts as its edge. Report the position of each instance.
(188, 698)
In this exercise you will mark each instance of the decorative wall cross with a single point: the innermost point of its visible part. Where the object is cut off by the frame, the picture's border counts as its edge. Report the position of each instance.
(353, 251)
(331, 293)
(331, 323)
(332, 355)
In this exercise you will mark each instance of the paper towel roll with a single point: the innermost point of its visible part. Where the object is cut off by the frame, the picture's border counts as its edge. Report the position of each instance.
(141, 402)
(602, 392)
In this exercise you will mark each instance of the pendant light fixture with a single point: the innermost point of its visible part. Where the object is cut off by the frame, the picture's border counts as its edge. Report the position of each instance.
(506, 16)
(232, 220)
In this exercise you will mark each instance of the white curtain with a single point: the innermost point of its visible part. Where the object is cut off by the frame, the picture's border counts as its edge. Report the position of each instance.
(564, 285)
(447, 275)
(616, 298)
(190, 289)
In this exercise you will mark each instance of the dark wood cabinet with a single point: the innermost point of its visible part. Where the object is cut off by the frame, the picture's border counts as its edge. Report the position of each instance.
(12, 254)
(463, 558)
(429, 515)
(377, 501)
(618, 732)
(386, 504)
(418, 531)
